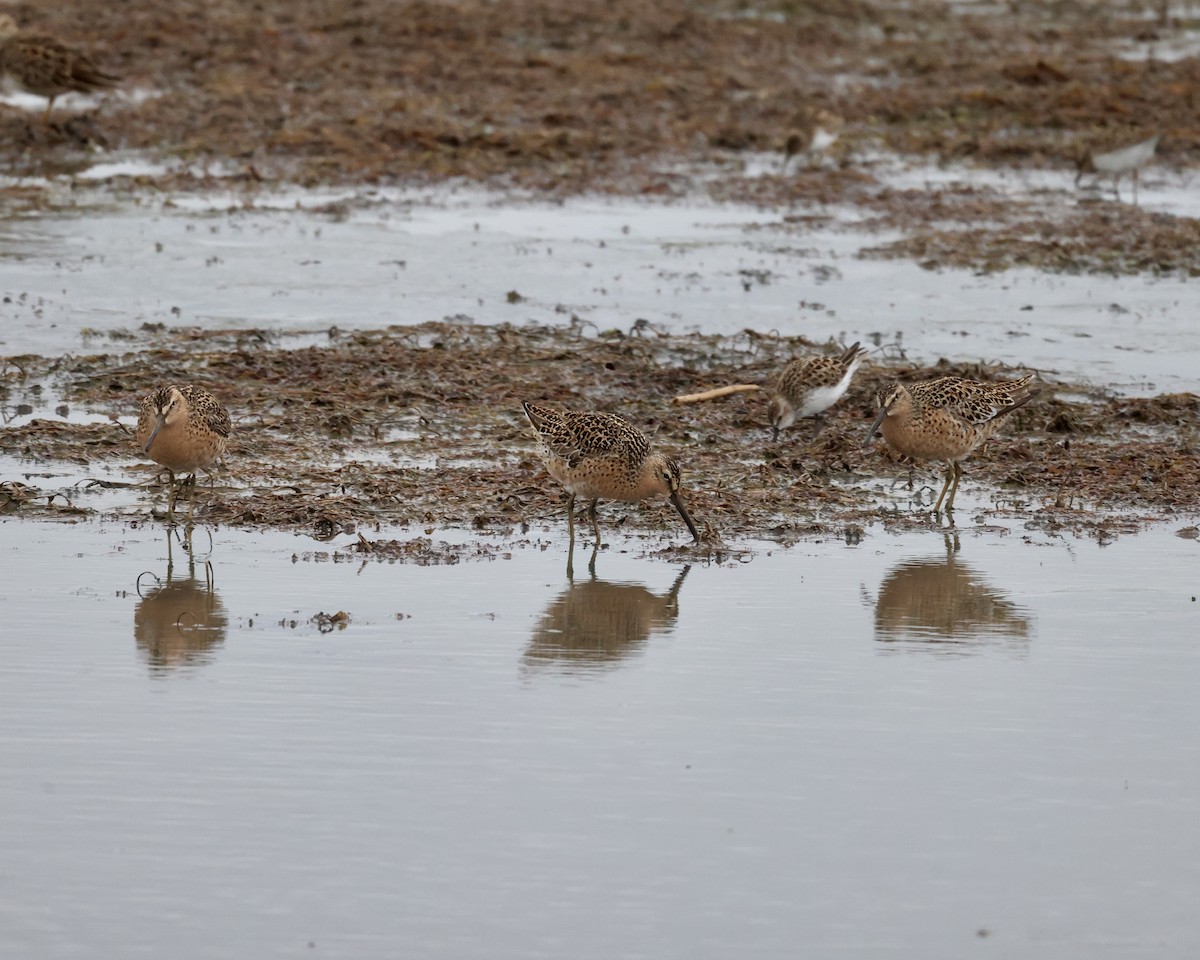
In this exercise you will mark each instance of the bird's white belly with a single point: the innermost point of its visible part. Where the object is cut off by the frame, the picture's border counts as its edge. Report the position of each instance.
(1122, 161)
(821, 140)
(822, 398)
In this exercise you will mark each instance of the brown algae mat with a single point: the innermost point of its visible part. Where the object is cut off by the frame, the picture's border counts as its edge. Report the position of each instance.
(422, 426)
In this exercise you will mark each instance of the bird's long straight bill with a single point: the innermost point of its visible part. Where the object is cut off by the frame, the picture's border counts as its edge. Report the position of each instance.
(159, 423)
(678, 502)
(874, 427)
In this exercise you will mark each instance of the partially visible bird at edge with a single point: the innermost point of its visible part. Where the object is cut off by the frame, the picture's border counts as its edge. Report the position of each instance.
(47, 67)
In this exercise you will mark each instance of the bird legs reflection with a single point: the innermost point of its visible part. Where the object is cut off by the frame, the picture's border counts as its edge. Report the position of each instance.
(571, 551)
(180, 619)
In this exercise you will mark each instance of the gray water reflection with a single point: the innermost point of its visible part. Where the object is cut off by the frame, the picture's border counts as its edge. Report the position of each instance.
(595, 624)
(946, 606)
(179, 621)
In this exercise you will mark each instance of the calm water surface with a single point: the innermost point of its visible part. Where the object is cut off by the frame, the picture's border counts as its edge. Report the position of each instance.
(888, 749)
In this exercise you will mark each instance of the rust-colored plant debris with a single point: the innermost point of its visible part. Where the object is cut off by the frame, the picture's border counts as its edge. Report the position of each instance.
(422, 426)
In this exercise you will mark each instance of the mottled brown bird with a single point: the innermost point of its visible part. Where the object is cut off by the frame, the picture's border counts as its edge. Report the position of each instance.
(946, 419)
(44, 66)
(596, 455)
(809, 385)
(185, 428)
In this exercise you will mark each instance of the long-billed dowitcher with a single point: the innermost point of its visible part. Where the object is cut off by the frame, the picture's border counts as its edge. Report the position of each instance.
(946, 419)
(809, 385)
(46, 67)
(596, 455)
(1117, 163)
(813, 131)
(185, 428)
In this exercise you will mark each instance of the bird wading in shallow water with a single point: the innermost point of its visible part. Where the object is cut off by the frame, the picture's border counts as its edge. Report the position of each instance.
(44, 66)
(810, 385)
(184, 428)
(946, 419)
(601, 455)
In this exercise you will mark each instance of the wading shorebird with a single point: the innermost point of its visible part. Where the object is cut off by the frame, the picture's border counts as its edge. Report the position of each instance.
(46, 67)
(813, 132)
(1117, 163)
(809, 386)
(946, 419)
(185, 429)
(601, 455)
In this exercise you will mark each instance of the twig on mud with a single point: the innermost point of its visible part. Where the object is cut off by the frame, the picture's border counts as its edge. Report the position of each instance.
(716, 392)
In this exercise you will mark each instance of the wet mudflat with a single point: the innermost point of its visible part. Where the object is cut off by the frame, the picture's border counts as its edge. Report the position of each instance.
(907, 746)
(366, 711)
(375, 377)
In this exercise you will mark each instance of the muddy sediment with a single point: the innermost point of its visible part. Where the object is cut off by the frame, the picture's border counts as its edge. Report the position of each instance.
(422, 426)
(630, 98)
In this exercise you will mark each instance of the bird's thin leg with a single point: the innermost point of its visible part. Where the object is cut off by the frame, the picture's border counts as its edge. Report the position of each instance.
(595, 522)
(171, 494)
(592, 559)
(571, 518)
(191, 482)
(945, 486)
(571, 560)
(1135, 181)
(46, 114)
(957, 471)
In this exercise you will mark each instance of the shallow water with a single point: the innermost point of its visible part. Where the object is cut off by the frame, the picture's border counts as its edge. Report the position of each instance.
(352, 259)
(489, 760)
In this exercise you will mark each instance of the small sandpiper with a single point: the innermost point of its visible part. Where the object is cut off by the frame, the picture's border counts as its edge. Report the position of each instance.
(810, 385)
(1117, 163)
(812, 133)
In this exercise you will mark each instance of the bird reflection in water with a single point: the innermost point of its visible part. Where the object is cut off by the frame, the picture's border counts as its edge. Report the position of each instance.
(945, 606)
(595, 624)
(179, 620)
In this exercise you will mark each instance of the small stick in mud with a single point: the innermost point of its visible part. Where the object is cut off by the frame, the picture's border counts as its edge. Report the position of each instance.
(716, 392)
